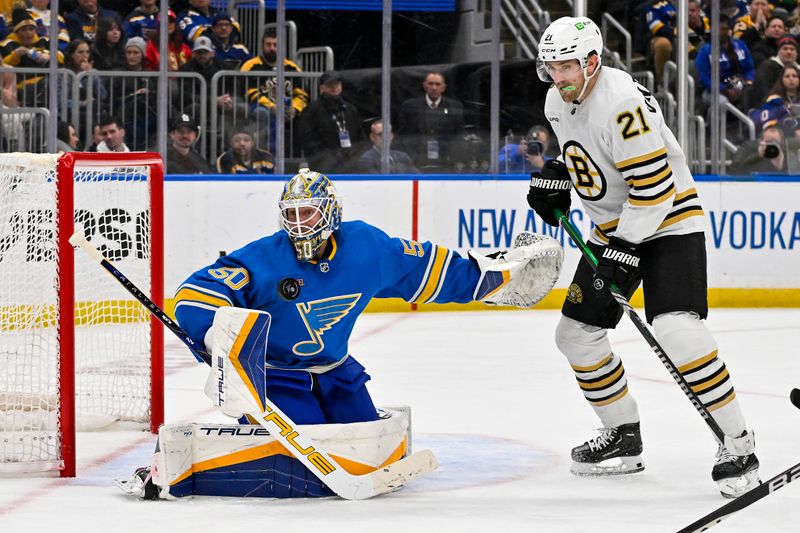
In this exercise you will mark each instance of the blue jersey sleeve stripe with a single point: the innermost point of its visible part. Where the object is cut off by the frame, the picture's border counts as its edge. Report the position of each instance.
(439, 286)
(426, 275)
(186, 293)
(207, 291)
(436, 271)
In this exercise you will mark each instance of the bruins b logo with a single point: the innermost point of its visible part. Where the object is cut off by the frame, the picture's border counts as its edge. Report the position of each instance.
(587, 176)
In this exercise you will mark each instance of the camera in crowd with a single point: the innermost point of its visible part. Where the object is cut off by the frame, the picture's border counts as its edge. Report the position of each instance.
(535, 147)
(771, 150)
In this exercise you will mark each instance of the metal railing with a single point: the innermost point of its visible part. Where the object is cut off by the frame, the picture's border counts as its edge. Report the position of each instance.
(23, 129)
(291, 39)
(608, 22)
(251, 16)
(728, 145)
(526, 20)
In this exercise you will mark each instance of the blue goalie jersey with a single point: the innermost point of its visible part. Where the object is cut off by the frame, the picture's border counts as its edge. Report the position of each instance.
(314, 305)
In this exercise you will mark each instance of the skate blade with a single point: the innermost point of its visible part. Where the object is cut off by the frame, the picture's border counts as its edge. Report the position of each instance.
(610, 467)
(733, 487)
(129, 487)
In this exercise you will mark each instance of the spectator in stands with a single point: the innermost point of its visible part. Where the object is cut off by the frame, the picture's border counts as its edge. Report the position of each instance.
(196, 20)
(82, 22)
(40, 9)
(179, 52)
(134, 99)
(97, 137)
(113, 134)
(23, 47)
(528, 155)
(108, 50)
(749, 24)
(735, 66)
(767, 46)
(769, 72)
(67, 137)
(329, 132)
(143, 20)
(370, 161)
(765, 156)
(261, 92)
(782, 106)
(182, 158)
(244, 158)
(432, 125)
(660, 18)
(230, 53)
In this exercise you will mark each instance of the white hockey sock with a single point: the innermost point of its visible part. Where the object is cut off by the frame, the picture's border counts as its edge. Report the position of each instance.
(599, 371)
(693, 349)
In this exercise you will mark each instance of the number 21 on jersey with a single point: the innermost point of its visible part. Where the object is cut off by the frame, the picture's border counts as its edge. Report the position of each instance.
(633, 124)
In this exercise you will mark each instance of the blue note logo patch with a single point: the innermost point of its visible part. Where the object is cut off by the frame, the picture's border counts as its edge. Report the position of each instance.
(319, 316)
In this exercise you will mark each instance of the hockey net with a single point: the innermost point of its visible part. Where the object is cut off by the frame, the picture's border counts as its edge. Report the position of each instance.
(76, 351)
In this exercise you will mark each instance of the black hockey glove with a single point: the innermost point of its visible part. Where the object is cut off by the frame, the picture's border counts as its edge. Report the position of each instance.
(619, 263)
(549, 190)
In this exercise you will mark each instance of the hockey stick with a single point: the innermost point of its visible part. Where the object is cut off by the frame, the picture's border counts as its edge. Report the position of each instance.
(643, 329)
(751, 496)
(289, 434)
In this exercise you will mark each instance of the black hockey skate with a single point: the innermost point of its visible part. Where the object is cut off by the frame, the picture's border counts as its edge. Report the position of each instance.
(141, 484)
(735, 474)
(616, 451)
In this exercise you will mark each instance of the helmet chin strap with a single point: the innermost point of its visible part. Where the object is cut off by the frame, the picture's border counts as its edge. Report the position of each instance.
(578, 100)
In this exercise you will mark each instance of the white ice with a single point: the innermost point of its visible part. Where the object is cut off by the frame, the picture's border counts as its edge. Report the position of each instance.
(497, 403)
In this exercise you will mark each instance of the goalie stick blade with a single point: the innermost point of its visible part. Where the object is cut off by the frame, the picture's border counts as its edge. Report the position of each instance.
(795, 397)
(407, 469)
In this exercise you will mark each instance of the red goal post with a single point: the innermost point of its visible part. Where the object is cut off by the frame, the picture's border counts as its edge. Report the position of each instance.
(78, 352)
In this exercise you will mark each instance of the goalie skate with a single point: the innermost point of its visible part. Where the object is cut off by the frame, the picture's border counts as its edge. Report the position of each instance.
(141, 484)
(615, 451)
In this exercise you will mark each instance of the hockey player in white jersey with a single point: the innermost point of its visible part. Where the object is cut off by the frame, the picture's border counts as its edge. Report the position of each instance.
(633, 181)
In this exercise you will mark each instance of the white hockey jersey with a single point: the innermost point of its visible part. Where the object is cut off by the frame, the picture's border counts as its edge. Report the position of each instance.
(625, 163)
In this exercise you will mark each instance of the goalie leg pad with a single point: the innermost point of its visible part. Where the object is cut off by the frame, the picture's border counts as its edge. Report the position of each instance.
(245, 461)
(598, 370)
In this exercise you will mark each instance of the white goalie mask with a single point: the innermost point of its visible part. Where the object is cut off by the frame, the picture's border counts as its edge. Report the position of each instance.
(310, 211)
(569, 38)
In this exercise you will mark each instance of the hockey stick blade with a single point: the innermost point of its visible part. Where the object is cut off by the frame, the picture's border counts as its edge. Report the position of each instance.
(745, 500)
(795, 397)
(291, 436)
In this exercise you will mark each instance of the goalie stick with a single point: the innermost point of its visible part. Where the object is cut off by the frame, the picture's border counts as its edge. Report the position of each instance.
(643, 329)
(289, 434)
(751, 496)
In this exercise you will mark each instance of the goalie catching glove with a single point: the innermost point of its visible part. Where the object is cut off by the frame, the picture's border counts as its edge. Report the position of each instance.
(521, 276)
(550, 190)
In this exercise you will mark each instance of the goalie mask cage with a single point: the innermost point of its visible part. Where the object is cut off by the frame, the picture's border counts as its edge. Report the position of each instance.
(76, 350)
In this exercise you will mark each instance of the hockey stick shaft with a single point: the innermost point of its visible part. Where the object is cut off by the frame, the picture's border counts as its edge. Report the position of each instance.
(644, 330)
(289, 434)
(745, 500)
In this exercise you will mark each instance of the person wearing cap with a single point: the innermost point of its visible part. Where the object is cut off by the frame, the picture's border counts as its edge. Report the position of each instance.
(179, 51)
(243, 157)
(329, 130)
(142, 21)
(82, 22)
(23, 47)
(182, 158)
(430, 125)
(196, 20)
(770, 70)
(230, 53)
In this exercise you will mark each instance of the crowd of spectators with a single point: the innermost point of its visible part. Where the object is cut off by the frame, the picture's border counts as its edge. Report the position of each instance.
(758, 63)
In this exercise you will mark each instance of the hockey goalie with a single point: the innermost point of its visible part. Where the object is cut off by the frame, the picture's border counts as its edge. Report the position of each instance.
(274, 319)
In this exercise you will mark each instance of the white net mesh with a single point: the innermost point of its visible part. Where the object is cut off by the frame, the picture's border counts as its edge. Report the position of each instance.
(112, 333)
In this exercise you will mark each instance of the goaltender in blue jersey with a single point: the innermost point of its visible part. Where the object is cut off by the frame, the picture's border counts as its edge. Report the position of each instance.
(308, 283)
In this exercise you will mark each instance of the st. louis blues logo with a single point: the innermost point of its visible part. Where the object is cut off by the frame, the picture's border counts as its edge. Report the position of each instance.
(319, 316)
